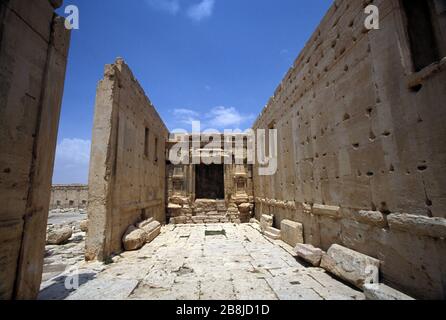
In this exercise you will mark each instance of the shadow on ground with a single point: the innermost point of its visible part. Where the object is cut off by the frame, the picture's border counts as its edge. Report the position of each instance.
(58, 290)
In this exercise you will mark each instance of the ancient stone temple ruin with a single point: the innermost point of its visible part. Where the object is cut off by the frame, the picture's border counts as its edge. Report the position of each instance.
(361, 163)
(211, 193)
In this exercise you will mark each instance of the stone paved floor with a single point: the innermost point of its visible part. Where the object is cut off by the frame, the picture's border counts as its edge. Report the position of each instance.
(60, 257)
(191, 262)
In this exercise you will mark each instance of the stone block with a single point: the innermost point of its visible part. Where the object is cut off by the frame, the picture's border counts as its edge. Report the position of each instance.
(180, 220)
(221, 205)
(272, 233)
(145, 223)
(351, 266)
(84, 225)
(374, 218)
(327, 211)
(420, 225)
(59, 236)
(173, 206)
(309, 253)
(245, 207)
(240, 199)
(179, 200)
(149, 227)
(206, 204)
(382, 292)
(254, 221)
(291, 232)
(153, 233)
(134, 238)
(266, 221)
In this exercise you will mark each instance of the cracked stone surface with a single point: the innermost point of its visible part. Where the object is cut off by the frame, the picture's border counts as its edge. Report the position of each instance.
(184, 263)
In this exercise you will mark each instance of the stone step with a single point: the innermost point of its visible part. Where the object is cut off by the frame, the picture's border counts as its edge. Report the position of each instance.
(273, 231)
(272, 236)
(221, 205)
(213, 213)
(200, 217)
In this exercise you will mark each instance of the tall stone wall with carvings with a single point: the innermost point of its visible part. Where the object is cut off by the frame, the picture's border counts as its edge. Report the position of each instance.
(362, 158)
(127, 165)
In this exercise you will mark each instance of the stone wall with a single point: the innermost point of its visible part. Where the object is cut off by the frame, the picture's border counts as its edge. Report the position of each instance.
(33, 54)
(69, 197)
(185, 206)
(362, 158)
(127, 165)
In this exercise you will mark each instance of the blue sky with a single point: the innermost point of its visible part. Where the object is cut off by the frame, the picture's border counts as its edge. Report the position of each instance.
(217, 61)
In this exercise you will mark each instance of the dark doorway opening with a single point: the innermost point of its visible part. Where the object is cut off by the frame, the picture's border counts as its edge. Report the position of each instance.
(209, 182)
(423, 42)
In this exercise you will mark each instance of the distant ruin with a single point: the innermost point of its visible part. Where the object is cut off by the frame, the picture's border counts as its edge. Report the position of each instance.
(72, 196)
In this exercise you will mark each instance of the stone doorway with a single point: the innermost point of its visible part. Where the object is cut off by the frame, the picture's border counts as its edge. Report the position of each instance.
(209, 182)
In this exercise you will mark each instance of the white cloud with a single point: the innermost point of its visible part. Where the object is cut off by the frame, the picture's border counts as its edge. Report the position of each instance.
(201, 10)
(284, 52)
(227, 117)
(185, 116)
(218, 118)
(72, 161)
(169, 6)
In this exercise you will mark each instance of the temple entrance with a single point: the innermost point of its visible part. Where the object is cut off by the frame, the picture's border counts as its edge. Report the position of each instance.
(209, 182)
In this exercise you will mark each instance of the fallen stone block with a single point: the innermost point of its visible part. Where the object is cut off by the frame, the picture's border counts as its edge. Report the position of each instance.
(254, 221)
(351, 266)
(266, 221)
(382, 292)
(59, 236)
(134, 238)
(144, 223)
(84, 225)
(149, 227)
(272, 233)
(152, 230)
(309, 253)
(291, 232)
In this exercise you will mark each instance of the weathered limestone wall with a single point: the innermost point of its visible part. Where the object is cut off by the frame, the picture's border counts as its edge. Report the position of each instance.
(33, 54)
(127, 165)
(359, 130)
(69, 197)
